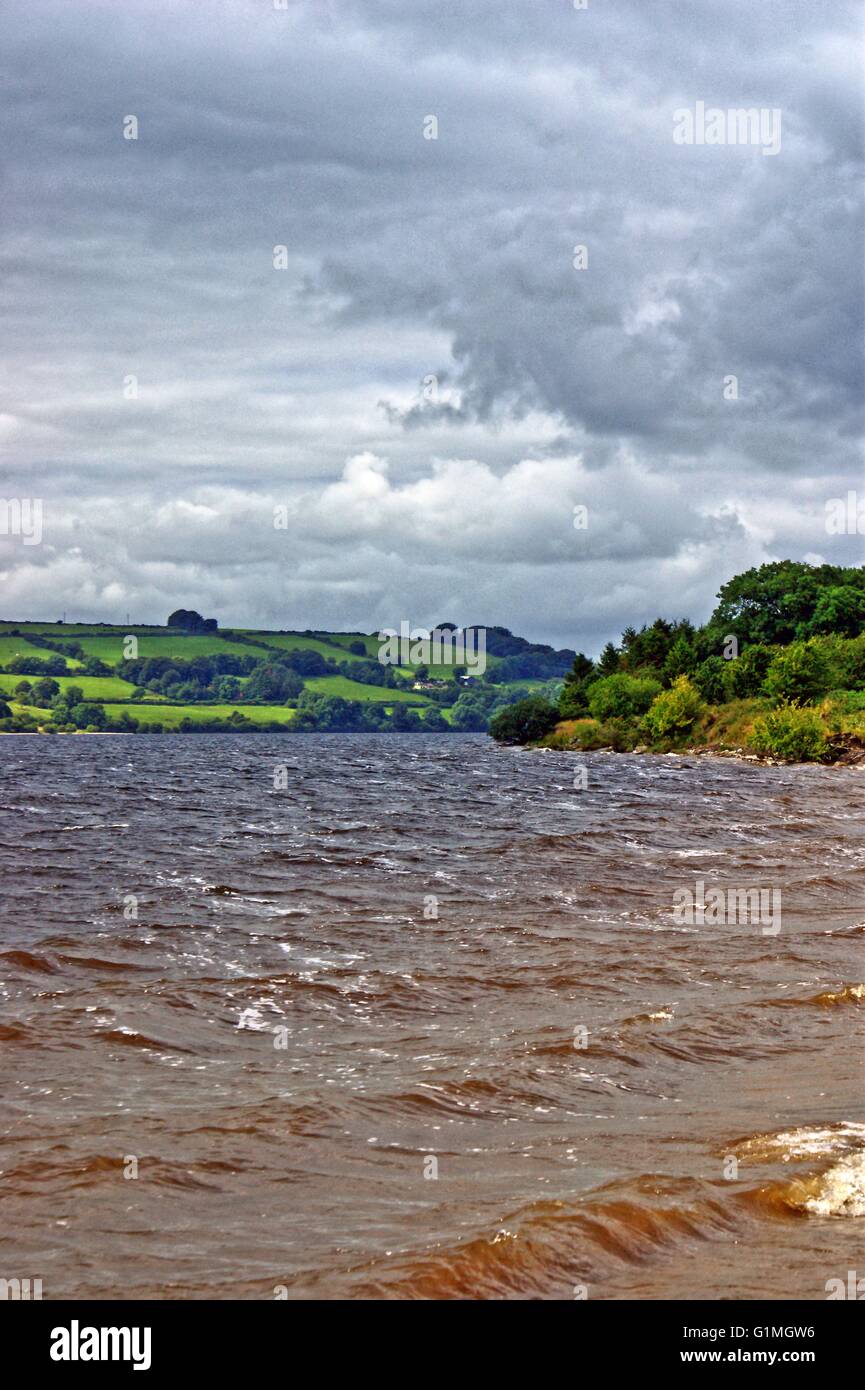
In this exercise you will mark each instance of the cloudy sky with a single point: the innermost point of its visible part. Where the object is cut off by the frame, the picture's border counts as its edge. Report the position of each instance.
(424, 387)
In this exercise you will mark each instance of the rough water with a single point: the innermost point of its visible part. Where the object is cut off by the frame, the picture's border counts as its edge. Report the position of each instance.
(422, 1022)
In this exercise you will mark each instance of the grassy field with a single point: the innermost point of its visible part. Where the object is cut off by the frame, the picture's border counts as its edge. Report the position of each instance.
(107, 644)
(290, 642)
(171, 715)
(345, 639)
(92, 687)
(109, 648)
(10, 647)
(17, 708)
(353, 690)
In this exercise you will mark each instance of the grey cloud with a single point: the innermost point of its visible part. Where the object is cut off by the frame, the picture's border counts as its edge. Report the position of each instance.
(409, 258)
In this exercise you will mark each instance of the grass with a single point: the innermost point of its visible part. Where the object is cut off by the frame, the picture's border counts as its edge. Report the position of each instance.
(93, 687)
(729, 725)
(169, 716)
(17, 708)
(10, 647)
(109, 648)
(290, 642)
(107, 644)
(344, 639)
(353, 690)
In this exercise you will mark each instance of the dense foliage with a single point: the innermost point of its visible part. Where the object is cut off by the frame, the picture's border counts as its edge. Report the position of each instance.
(524, 722)
(190, 621)
(783, 638)
(790, 733)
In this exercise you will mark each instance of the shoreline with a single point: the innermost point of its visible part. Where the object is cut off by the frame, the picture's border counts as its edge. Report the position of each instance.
(856, 762)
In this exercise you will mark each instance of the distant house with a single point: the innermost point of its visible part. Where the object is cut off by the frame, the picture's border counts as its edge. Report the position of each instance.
(429, 685)
(468, 680)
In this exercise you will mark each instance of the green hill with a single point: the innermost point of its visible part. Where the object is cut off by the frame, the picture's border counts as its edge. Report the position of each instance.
(63, 677)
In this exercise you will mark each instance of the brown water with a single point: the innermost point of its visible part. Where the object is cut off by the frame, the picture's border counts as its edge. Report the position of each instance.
(706, 1142)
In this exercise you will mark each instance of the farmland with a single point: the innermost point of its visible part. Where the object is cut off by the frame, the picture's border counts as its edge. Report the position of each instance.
(91, 687)
(101, 676)
(170, 716)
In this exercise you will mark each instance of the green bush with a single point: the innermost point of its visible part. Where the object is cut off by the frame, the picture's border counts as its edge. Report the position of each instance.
(621, 696)
(90, 718)
(799, 674)
(524, 722)
(847, 701)
(621, 734)
(712, 679)
(791, 733)
(748, 671)
(846, 662)
(674, 711)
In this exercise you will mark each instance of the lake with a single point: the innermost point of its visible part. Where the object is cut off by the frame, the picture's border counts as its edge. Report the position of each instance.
(415, 1016)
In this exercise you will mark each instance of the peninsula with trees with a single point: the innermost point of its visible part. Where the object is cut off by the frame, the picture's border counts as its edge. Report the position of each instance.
(777, 673)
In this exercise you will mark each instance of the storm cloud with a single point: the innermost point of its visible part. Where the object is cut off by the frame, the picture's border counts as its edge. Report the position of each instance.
(464, 338)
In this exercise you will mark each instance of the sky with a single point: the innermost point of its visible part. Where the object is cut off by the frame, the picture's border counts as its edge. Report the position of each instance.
(394, 415)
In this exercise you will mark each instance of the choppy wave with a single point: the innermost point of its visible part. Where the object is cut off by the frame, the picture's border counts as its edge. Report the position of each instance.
(429, 949)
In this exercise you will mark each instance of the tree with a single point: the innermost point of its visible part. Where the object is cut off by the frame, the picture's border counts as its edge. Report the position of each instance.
(840, 609)
(44, 691)
(524, 722)
(748, 670)
(681, 659)
(86, 716)
(776, 603)
(711, 678)
(434, 722)
(373, 716)
(327, 713)
(847, 662)
(572, 701)
(621, 696)
(472, 710)
(609, 660)
(273, 684)
(190, 621)
(799, 674)
(5, 711)
(227, 688)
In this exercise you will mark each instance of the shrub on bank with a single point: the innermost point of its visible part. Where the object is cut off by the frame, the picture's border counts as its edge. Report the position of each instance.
(846, 701)
(674, 712)
(574, 733)
(790, 732)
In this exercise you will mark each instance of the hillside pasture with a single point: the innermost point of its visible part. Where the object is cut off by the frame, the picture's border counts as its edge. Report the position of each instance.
(92, 687)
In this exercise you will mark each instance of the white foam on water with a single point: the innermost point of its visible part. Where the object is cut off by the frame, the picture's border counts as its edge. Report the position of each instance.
(840, 1191)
